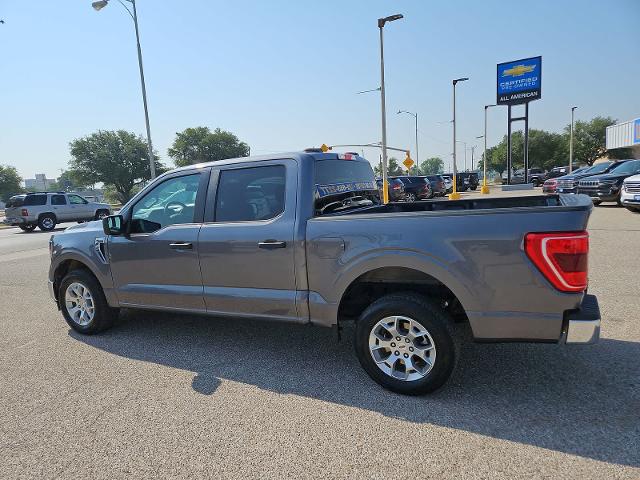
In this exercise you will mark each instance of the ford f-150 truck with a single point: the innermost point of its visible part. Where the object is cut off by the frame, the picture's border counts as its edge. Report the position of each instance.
(303, 237)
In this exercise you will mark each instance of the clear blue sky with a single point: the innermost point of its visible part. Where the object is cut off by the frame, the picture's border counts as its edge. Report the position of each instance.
(282, 75)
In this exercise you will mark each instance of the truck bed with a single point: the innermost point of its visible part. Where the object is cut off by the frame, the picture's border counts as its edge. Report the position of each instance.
(530, 203)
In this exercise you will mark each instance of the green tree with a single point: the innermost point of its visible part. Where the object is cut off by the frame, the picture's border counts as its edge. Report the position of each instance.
(116, 158)
(589, 139)
(393, 168)
(69, 182)
(199, 144)
(10, 182)
(432, 166)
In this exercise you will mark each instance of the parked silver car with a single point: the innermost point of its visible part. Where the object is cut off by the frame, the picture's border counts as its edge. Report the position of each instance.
(46, 209)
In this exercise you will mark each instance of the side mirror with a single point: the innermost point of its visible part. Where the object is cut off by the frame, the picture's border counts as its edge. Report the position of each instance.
(113, 225)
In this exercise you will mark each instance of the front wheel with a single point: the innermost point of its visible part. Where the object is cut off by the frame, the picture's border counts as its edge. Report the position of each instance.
(83, 303)
(403, 342)
(596, 202)
(27, 228)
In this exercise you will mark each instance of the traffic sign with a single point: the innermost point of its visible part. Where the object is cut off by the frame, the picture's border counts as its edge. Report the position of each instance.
(408, 162)
(325, 148)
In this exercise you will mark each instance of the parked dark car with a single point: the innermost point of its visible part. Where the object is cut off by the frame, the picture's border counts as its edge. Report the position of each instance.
(466, 181)
(569, 183)
(438, 186)
(607, 187)
(396, 189)
(415, 188)
(562, 171)
(536, 176)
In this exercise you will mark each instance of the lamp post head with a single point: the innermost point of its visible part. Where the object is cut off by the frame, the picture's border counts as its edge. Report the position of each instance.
(463, 79)
(99, 5)
(573, 108)
(489, 106)
(480, 136)
(390, 18)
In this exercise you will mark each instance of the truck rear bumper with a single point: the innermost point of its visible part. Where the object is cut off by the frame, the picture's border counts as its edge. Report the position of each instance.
(582, 326)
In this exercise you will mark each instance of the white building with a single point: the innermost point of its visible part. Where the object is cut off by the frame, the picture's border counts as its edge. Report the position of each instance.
(625, 135)
(41, 183)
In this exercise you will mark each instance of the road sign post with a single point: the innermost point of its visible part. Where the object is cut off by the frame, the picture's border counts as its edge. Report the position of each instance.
(519, 82)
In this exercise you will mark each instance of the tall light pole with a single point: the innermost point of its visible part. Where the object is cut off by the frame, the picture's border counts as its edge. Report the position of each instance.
(571, 142)
(485, 188)
(385, 185)
(454, 195)
(415, 116)
(99, 5)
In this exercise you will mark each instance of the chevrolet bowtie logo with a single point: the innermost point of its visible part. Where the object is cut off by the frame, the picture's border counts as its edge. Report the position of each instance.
(518, 70)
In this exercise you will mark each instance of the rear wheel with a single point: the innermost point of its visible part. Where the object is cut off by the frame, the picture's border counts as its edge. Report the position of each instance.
(27, 228)
(404, 343)
(474, 187)
(47, 222)
(83, 303)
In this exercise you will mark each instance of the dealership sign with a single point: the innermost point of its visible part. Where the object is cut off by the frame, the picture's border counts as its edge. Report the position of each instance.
(519, 81)
(636, 131)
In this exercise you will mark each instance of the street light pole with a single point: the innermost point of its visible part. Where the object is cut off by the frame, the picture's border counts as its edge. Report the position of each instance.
(385, 184)
(571, 142)
(415, 116)
(454, 195)
(99, 5)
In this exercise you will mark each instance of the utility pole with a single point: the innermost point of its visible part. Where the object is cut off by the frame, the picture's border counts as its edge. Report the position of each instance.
(571, 142)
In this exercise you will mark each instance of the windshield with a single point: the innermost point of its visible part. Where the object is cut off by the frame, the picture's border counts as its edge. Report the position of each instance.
(627, 167)
(599, 168)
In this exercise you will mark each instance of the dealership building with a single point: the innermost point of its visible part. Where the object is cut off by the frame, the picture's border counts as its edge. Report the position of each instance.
(625, 135)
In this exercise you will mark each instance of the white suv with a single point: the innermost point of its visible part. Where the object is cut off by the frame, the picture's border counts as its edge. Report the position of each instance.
(46, 209)
(630, 193)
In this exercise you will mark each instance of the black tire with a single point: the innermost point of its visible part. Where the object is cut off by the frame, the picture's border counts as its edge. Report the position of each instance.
(633, 209)
(101, 213)
(474, 188)
(103, 316)
(27, 228)
(47, 222)
(432, 318)
(597, 202)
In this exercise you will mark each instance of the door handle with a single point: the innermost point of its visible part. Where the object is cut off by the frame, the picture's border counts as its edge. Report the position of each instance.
(272, 244)
(181, 246)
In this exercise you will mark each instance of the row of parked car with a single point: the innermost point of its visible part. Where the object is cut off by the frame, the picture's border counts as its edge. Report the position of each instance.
(612, 181)
(424, 187)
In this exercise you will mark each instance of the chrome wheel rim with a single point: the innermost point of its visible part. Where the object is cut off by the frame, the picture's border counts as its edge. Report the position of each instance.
(79, 303)
(402, 348)
(47, 222)
(411, 197)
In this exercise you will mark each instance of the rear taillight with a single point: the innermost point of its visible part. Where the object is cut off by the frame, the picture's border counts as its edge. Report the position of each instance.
(396, 187)
(561, 257)
(24, 212)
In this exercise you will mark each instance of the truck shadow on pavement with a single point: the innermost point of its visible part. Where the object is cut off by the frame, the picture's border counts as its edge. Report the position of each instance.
(581, 400)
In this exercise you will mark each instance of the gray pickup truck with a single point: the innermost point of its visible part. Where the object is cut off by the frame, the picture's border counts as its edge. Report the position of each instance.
(303, 237)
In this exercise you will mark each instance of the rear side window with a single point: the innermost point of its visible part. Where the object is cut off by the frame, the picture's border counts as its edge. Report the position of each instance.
(35, 200)
(58, 200)
(15, 202)
(249, 194)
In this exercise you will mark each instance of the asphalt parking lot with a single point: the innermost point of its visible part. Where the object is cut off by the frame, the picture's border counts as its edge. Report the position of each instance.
(163, 395)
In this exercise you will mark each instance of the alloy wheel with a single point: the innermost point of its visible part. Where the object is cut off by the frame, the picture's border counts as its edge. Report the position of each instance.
(402, 348)
(79, 303)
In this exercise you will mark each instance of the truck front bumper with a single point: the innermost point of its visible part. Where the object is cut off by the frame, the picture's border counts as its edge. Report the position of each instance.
(582, 326)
